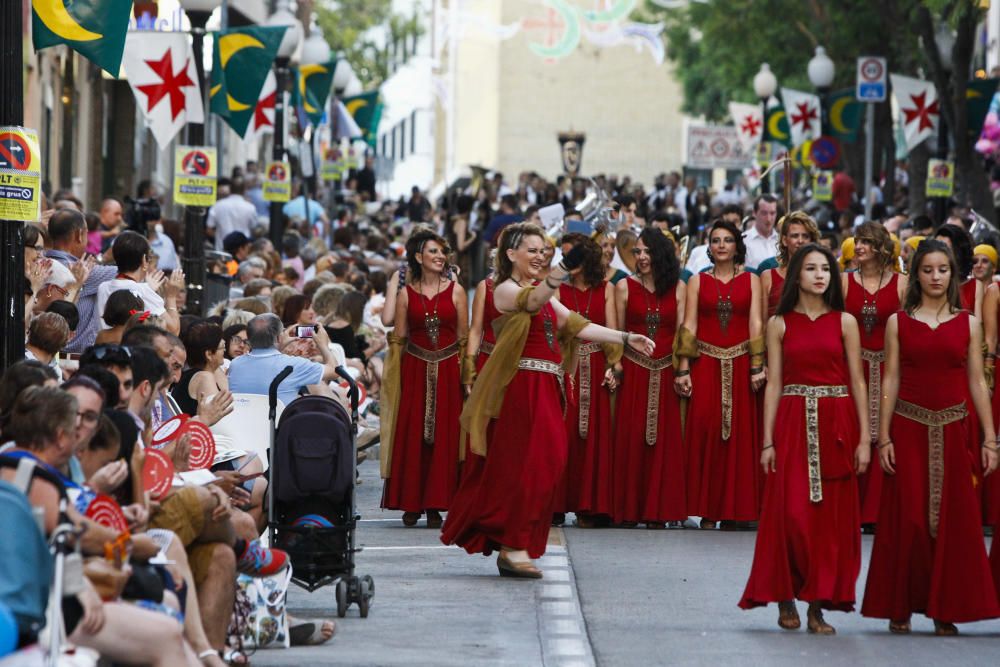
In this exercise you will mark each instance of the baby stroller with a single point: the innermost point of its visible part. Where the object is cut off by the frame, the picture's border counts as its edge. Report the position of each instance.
(311, 512)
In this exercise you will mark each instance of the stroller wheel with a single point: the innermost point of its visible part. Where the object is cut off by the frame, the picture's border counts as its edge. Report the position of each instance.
(371, 585)
(342, 598)
(365, 597)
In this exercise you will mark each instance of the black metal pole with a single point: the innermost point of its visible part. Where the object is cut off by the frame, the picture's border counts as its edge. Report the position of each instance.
(194, 216)
(277, 228)
(941, 203)
(11, 232)
(765, 183)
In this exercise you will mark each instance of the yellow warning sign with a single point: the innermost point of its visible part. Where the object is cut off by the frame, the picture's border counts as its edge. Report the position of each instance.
(940, 178)
(194, 176)
(823, 186)
(278, 182)
(20, 174)
(332, 165)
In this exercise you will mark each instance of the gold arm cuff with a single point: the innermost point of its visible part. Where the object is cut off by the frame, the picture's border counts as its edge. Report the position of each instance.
(757, 346)
(468, 368)
(685, 344)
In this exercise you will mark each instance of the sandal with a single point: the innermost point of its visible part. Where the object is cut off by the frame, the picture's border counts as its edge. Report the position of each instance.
(900, 627)
(234, 656)
(310, 633)
(410, 518)
(945, 629)
(788, 616)
(816, 624)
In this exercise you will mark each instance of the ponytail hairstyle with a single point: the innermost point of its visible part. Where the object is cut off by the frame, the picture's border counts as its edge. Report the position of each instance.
(834, 294)
(664, 264)
(914, 293)
(510, 239)
(593, 259)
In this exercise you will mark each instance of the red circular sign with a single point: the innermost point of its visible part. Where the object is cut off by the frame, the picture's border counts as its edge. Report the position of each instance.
(871, 69)
(157, 473)
(105, 511)
(825, 152)
(14, 151)
(202, 445)
(196, 163)
(169, 431)
(277, 173)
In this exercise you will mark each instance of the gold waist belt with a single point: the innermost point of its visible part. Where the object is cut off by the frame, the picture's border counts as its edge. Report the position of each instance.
(433, 358)
(812, 394)
(874, 358)
(544, 366)
(583, 356)
(655, 368)
(486, 348)
(935, 421)
(725, 355)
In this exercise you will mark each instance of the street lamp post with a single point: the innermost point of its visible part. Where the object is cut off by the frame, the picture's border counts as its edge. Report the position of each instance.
(315, 51)
(11, 232)
(198, 12)
(821, 71)
(944, 39)
(282, 16)
(764, 85)
(343, 77)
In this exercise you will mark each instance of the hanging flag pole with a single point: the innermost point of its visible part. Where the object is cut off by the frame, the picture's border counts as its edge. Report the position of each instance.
(11, 232)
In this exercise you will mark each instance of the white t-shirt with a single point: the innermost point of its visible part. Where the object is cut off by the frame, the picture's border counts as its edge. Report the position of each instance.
(152, 301)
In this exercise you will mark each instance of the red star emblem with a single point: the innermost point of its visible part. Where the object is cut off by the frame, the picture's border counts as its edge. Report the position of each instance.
(170, 84)
(921, 111)
(750, 126)
(260, 118)
(806, 114)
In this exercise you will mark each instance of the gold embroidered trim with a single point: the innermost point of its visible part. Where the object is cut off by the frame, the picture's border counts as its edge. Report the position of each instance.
(655, 386)
(812, 394)
(875, 359)
(647, 362)
(935, 421)
(433, 358)
(486, 348)
(583, 353)
(725, 355)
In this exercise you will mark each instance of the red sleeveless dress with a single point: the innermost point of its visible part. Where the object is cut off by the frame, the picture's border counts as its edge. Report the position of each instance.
(967, 294)
(424, 470)
(929, 560)
(490, 313)
(507, 497)
(809, 549)
(774, 294)
(649, 462)
(886, 302)
(724, 477)
(587, 484)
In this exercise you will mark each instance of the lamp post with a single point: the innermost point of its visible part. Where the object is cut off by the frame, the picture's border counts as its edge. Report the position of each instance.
(11, 232)
(764, 85)
(198, 12)
(821, 71)
(315, 51)
(282, 16)
(944, 39)
(343, 78)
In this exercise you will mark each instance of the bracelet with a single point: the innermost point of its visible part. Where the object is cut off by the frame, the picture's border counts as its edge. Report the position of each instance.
(680, 373)
(991, 355)
(766, 447)
(556, 286)
(756, 370)
(625, 336)
(985, 446)
(883, 445)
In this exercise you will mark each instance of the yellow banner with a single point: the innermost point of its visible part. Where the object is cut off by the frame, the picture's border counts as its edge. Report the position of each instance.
(278, 182)
(194, 175)
(823, 186)
(20, 174)
(940, 178)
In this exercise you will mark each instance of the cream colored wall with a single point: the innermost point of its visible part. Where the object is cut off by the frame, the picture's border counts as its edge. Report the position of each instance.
(477, 93)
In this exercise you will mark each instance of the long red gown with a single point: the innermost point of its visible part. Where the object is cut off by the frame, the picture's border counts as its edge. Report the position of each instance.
(808, 550)
(886, 302)
(967, 294)
(724, 478)
(490, 313)
(945, 576)
(774, 294)
(991, 485)
(424, 475)
(649, 484)
(587, 483)
(507, 497)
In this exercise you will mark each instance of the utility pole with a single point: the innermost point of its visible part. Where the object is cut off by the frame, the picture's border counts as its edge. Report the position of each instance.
(11, 231)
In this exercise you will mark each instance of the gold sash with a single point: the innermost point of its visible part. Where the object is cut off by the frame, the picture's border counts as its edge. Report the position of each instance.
(725, 355)
(812, 394)
(432, 358)
(935, 421)
(875, 359)
(655, 368)
(389, 402)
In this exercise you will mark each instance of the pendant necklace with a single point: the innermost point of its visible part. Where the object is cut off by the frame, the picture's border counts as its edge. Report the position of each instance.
(652, 316)
(869, 309)
(431, 320)
(547, 324)
(723, 302)
(576, 301)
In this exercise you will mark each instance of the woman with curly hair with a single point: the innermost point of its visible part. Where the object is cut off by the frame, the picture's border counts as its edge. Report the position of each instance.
(721, 366)
(587, 483)
(794, 231)
(872, 294)
(970, 290)
(648, 481)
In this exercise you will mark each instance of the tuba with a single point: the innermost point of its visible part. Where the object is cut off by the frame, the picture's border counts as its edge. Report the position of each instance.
(596, 209)
(983, 231)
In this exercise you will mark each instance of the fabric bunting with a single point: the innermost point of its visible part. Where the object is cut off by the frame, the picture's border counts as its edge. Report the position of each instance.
(249, 54)
(95, 29)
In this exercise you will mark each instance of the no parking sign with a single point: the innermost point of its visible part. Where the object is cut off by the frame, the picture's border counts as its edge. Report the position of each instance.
(277, 182)
(194, 178)
(20, 174)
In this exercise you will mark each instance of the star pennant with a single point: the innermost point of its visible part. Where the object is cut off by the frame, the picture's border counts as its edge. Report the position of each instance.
(171, 84)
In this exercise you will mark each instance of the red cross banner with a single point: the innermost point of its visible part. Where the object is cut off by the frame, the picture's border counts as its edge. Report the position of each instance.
(749, 122)
(803, 115)
(161, 71)
(263, 114)
(918, 108)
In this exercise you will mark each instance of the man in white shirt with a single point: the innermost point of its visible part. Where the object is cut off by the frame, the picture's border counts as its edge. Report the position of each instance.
(762, 238)
(231, 214)
(132, 255)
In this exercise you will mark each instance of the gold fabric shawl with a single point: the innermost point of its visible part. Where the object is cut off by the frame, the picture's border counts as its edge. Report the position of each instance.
(389, 402)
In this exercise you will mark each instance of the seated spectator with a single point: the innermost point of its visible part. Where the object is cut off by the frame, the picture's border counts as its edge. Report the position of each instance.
(118, 360)
(298, 310)
(251, 305)
(69, 312)
(48, 333)
(121, 307)
(16, 379)
(279, 295)
(132, 256)
(259, 287)
(205, 353)
(236, 342)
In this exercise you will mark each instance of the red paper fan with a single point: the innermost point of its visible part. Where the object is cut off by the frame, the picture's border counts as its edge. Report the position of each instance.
(105, 511)
(157, 473)
(202, 445)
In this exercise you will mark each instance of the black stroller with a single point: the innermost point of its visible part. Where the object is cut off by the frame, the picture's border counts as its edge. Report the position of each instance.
(311, 512)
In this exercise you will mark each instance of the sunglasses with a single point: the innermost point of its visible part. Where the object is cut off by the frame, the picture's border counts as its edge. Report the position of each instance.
(119, 351)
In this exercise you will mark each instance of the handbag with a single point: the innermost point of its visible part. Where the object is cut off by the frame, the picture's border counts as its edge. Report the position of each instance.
(267, 625)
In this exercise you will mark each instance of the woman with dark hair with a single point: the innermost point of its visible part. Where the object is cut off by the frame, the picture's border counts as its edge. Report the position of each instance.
(122, 309)
(872, 294)
(648, 481)
(587, 484)
(928, 555)
(960, 242)
(461, 238)
(794, 231)
(298, 310)
(206, 351)
(808, 545)
(236, 341)
(514, 416)
(723, 326)
(420, 454)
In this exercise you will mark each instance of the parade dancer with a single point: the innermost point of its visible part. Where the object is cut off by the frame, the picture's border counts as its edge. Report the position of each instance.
(722, 439)
(872, 294)
(420, 462)
(514, 415)
(649, 450)
(815, 441)
(928, 555)
(794, 231)
(960, 243)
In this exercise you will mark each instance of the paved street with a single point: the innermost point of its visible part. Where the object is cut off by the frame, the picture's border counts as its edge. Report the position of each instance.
(647, 597)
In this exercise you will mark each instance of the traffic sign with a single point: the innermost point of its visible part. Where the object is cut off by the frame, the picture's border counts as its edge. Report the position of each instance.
(871, 82)
(194, 177)
(940, 178)
(20, 174)
(825, 152)
(277, 183)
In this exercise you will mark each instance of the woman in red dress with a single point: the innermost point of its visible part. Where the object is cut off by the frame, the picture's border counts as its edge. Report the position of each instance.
(872, 294)
(970, 291)
(482, 338)
(514, 415)
(649, 450)
(794, 231)
(722, 312)
(991, 326)
(815, 441)
(929, 555)
(421, 464)
(587, 483)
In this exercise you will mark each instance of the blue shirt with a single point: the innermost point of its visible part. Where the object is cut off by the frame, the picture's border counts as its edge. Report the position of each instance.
(253, 373)
(297, 209)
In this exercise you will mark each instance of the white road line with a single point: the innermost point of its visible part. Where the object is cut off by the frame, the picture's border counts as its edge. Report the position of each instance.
(410, 548)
